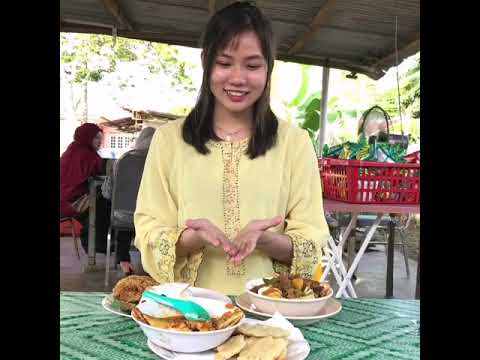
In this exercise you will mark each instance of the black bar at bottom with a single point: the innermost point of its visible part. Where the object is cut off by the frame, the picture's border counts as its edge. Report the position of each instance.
(417, 288)
(391, 241)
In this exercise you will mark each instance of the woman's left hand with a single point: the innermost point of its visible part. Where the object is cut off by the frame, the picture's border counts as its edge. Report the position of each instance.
(247, 238)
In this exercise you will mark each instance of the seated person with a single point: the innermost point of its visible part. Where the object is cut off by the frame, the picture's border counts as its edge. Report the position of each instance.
(78, 163)
(124, 237)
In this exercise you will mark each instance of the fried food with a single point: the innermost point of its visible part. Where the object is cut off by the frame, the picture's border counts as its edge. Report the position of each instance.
(262, 345)
(259, 330)
(249, 339)
(128, 291)
(265, 348)
(175, 323)
(231, 317)
(139, 316)
(230, 348)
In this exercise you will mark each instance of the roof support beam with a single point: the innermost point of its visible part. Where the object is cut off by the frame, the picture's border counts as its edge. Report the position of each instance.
(409, 49)
(215, 5)
(314, 25)
(323, 110)
(171, 37)
(67, 21)
(114, 9)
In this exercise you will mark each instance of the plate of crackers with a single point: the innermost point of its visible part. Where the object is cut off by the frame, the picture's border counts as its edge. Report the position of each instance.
(274, 339)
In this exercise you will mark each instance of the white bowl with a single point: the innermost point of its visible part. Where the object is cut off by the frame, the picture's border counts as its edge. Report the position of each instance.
(286, 307)
(171, 289)
(174, 289)
(191, 342)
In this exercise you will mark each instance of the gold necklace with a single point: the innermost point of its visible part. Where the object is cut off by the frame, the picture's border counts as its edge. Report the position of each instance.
(228, 135)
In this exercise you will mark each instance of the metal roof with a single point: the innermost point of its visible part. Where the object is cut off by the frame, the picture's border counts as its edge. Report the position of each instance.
(354, 35)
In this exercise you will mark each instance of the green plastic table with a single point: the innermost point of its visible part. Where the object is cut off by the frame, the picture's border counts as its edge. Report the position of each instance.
(364, 329)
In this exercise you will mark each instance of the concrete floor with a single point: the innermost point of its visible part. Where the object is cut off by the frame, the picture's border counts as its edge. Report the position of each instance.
(371, 273)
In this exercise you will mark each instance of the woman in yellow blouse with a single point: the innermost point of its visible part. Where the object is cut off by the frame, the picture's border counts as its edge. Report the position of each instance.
(230, 193)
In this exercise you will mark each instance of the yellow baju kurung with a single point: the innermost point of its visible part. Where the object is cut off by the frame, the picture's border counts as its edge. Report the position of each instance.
(229, 189)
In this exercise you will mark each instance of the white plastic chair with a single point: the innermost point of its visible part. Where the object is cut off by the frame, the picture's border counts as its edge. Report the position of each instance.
(334, 263)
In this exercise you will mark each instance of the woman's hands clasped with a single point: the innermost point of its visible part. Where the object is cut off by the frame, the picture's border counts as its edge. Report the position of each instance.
(209, 233)
(242, 245)
(247, 238)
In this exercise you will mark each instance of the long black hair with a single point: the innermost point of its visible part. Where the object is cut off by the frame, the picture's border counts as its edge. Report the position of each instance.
(222, 28)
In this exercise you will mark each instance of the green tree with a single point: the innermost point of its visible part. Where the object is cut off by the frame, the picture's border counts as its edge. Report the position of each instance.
(88, 58)
(409, 93)
(411, 90)
(410, 99)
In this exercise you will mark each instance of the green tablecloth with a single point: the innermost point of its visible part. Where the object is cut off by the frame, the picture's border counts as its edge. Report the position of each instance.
(364, 329)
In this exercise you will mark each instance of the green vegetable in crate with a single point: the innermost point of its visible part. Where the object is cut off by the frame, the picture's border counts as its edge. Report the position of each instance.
(398, 153)
(346, 152)
(325, 150)
(363, 152)
(354, 148)
(390, 153)
(333, 151)
(372, 154)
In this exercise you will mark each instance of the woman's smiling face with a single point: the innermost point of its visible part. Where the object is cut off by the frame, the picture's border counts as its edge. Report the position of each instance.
(239, 74)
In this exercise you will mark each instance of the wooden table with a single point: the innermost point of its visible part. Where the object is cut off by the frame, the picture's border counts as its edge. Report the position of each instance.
(380, 210)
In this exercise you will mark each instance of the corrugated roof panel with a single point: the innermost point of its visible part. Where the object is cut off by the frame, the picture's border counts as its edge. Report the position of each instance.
(354, 34)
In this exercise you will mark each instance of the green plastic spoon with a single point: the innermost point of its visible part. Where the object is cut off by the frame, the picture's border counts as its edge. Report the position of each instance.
(189, 309)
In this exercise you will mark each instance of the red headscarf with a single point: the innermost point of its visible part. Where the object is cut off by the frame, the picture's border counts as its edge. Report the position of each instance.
(79, 162)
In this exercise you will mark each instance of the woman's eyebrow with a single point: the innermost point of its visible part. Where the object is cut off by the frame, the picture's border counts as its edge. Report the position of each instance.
(251, 57)
(255, 57)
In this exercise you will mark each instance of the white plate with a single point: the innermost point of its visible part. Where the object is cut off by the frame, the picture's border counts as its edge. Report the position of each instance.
(210, 354)
(331, 308)
(107, 305)
(206, 355)
(197, 292)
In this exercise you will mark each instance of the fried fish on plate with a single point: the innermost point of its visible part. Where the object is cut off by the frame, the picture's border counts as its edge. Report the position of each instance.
(128, 291)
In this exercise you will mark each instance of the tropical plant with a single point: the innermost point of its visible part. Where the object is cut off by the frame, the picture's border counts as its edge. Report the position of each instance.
(357, 95)
(309, 112)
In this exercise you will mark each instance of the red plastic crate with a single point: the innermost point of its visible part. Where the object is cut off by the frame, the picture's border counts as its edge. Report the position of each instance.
(370, 182)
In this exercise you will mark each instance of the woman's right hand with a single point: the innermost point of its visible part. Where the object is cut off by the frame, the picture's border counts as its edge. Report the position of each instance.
(209, 233)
